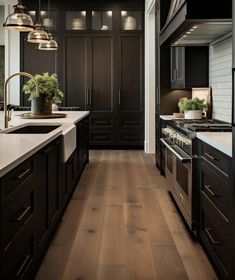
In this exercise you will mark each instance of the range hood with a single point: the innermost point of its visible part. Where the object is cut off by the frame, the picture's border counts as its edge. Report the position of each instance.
(185, 29)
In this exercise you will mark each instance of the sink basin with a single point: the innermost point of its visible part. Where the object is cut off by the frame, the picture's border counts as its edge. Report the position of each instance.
(33, 129)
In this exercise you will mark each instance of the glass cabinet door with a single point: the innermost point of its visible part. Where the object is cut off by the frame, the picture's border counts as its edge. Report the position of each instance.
(76, 20)
(131, 20)
(102, 20)
(49, 21)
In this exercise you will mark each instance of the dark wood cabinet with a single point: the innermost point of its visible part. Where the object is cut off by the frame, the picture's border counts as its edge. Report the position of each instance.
(189, 67)
(100, 65)
(216, 207)
(17, 211)
(33, 197)
(76, 80)
(47, 193)
(129, 90)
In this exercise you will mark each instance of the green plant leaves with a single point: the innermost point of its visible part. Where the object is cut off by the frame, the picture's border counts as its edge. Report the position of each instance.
(48, 85)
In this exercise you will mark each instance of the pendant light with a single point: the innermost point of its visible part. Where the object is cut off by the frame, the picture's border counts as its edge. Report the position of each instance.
(51, 45)
(19, 20)
(38, 35)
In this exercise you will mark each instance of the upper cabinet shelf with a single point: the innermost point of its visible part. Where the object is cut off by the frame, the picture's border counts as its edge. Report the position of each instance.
(102, 20)
(131, 20)
(48, 20)
(76, 20)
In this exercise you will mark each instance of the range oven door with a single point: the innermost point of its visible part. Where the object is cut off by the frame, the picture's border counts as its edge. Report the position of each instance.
(183, 185)
(178, 168)
(169, 163)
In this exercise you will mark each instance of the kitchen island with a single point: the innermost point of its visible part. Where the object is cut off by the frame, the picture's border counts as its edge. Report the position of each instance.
(38, 175)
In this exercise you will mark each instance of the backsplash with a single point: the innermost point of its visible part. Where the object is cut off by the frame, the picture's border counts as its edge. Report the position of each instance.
(220, 79)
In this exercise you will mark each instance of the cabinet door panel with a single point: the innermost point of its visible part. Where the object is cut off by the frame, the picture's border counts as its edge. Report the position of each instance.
(102, 74)
(76, 71)
(130, 92)
(35, 61)
(53, 195)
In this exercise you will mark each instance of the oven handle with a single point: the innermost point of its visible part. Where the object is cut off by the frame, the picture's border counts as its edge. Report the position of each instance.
(169, 147)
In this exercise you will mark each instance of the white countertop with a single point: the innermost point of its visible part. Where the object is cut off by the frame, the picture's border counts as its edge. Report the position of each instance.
(222, 141)
(15, 148)
(72, 118)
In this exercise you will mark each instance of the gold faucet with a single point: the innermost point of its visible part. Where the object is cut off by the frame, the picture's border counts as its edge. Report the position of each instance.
(5, 92)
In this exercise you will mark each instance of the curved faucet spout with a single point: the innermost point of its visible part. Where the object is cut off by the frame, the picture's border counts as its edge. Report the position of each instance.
(5, 125)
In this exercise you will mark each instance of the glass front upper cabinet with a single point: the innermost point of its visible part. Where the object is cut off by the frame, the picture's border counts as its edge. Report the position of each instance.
(76, 20)
(102, 20)
(49, 21)
(131, 20)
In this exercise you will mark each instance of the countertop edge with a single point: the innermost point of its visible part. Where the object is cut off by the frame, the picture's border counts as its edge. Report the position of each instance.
(211, 140)
(31, 152)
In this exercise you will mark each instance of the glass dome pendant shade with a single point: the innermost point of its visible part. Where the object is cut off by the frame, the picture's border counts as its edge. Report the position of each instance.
(51, 45)
(38, 35)
(19, 20)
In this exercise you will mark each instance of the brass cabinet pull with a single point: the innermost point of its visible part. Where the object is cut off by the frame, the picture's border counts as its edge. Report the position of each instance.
(210, 156)
(101, 122)
(209, 189)
(119, 97)
(23, 266)
(208, 233)
(88, 97)
(91, 93)
(23, 214)
(23, 174)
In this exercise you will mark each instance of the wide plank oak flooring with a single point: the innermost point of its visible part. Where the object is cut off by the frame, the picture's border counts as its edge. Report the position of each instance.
(121, 224)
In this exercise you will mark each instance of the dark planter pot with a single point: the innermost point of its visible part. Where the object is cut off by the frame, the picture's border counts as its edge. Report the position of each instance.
(39, 106)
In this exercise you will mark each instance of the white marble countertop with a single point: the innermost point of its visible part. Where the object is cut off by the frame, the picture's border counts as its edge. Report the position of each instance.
(15, 148)
(222, 141)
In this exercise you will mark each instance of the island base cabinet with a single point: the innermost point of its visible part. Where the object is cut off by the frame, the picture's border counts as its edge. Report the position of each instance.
(33, 197)
(18, 260)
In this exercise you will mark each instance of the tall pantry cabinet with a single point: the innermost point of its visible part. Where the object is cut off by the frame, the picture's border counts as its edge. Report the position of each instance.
(99, 65)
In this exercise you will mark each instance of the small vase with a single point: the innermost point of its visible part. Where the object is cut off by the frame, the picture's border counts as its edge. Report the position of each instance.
(39, 106)
(193, 114)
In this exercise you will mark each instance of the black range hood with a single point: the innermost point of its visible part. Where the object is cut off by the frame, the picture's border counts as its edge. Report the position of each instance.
(196, 22)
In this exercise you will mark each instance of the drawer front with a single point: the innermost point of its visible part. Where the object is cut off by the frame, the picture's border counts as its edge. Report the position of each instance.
(216, 236)
(131, 121)
(218, 159)
(101, 137)
(21, 174)
(16, 214)
(18, 260)
(101, 121)
(131, 138)
(217, 190)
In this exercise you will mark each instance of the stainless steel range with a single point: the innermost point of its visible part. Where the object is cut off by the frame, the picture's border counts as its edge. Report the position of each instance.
(179, 146)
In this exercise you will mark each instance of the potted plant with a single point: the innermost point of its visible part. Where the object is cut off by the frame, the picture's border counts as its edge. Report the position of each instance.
(193, 108)
(49, 93)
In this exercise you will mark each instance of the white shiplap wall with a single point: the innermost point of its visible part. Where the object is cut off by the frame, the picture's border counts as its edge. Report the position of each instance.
(220, 79)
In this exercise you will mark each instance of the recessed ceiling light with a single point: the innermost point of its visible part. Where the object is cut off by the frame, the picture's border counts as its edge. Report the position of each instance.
(188, 32)
(195, 26)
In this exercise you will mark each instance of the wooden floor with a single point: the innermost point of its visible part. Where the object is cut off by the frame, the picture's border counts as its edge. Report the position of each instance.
(121, 224)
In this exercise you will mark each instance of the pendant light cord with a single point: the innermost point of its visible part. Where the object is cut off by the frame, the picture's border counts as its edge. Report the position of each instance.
(39, 11)
(49, 16)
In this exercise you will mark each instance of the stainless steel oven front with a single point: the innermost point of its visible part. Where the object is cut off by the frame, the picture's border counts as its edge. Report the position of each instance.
(178, 170)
